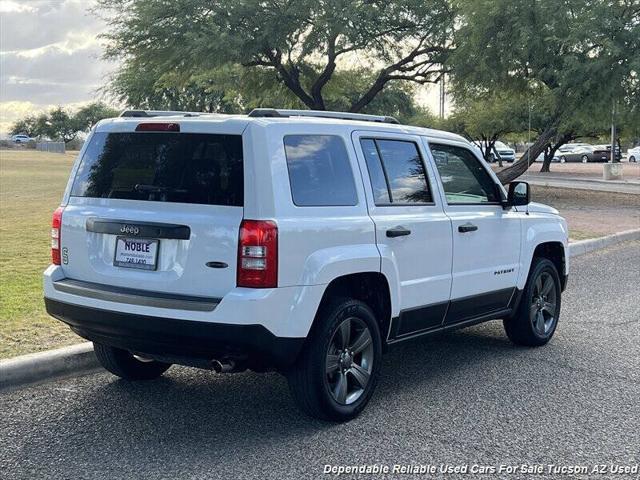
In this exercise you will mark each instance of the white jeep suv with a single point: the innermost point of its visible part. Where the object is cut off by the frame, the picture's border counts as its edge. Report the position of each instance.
(305, 242)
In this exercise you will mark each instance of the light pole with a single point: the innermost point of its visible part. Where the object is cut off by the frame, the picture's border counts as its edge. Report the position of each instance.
(612, 170)
(442, 96)
(613, 133)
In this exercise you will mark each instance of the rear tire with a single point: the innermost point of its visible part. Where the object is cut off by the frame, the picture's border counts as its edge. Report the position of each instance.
(327, 380)
(563, 159)
(536, 317)
(125, 365)
(585, 159)
(632, 159)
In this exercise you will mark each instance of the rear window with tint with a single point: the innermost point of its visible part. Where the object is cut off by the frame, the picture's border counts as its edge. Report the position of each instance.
(163, 167)
(319, 171)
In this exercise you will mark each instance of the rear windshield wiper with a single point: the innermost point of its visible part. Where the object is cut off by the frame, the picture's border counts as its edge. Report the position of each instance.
(141, 187)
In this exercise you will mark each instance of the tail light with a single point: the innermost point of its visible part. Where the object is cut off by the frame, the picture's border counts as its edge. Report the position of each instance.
(56, 227)
(258, 254)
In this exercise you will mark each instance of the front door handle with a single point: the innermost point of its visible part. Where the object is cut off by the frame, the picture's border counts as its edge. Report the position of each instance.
(398, 232)
(467, 227)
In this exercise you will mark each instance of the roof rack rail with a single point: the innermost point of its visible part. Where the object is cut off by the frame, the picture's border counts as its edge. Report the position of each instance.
(159, 113)
(284, 113)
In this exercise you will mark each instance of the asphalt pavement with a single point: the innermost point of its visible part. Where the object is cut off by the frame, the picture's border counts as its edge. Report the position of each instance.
(463, 398)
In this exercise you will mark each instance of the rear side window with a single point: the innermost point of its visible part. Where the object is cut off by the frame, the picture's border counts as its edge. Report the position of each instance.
(319, 171)
(163, 167)
(396, 171)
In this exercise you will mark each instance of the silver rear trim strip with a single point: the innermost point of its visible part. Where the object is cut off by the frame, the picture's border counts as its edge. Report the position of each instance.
(131, 296)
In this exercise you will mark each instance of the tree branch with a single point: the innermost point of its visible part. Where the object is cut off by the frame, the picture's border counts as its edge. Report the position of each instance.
(290, 78)
(325, 75)
(403, 65)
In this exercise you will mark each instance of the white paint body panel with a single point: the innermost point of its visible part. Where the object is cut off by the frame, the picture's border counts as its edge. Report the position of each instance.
(316, 244)
(419, 263)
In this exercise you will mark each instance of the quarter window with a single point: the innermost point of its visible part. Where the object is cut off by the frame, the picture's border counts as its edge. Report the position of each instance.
(463, 177)
(396, 171)
(319, 171)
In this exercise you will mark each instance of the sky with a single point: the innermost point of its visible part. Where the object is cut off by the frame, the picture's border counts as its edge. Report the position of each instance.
(50, 56)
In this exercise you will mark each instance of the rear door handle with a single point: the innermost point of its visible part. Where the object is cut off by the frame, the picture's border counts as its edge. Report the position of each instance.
(398, 232)
(467, 227)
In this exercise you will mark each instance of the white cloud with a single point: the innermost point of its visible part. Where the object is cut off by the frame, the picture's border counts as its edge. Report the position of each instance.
(49, 56)
(72, 42)
(7, 6)
(12, 111)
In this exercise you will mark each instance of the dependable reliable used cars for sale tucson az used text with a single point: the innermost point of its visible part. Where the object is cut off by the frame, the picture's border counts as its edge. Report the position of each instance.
(297, 241)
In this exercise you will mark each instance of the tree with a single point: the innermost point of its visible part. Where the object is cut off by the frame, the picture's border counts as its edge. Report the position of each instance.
(58, 124)
(487, 118)
(26, 126)
(582, 53)
(301, 45)
(90, 114)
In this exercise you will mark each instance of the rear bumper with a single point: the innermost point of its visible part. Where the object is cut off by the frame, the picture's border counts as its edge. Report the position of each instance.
(177, 337)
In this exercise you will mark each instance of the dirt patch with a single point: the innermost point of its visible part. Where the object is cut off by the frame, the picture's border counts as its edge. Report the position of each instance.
(579, 170)
(590, 213)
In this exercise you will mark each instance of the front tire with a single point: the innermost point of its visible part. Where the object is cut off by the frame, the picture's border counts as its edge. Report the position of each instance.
(563, 159)
(536, 317)
(585, 159)
(126, 365)
(338, 370)
(632, 159)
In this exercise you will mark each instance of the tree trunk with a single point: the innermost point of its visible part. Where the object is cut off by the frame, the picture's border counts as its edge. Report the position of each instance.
(518, 168)
(548, 156)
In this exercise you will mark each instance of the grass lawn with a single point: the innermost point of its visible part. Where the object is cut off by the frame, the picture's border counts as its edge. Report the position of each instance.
(31, 186)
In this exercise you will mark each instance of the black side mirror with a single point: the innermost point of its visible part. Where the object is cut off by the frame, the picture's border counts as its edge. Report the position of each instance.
(519, 194)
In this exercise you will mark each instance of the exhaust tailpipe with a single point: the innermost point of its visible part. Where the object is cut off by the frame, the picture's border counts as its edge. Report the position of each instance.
(226, 367)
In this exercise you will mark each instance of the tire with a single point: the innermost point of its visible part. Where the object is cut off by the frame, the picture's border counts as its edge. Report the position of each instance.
(125, 365)
(585, 159)
(323, 368)
(525, 327)
(632, 159)
(563, 159)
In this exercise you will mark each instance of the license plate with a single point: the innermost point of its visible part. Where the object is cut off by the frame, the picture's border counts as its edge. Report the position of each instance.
(139, 253)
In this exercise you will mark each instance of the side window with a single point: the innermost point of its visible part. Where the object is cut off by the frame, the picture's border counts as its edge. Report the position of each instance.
(463, 177)
(319, 171)
(397, 172)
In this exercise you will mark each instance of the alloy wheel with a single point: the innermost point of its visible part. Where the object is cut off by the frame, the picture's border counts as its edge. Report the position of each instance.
(544, 304)
(349, 361)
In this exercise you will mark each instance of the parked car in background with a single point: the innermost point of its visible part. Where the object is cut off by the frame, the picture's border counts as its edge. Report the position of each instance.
(583, 152)
(608, 149)
(21, 138)
(633, 154)
(573, 152)
(506, 153)
(602, 153)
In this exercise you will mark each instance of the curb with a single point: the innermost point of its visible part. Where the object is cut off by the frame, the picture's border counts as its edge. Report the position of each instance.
(79, 359)
(46, 366)
(586, 246)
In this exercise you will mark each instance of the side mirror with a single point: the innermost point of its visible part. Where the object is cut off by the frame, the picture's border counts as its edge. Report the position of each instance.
(519, 194)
